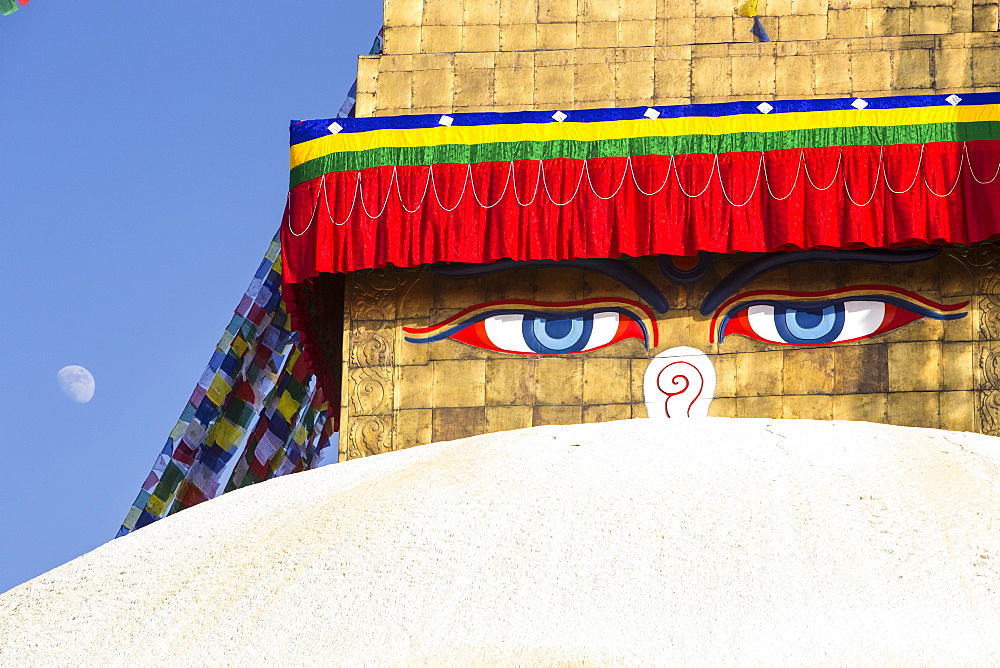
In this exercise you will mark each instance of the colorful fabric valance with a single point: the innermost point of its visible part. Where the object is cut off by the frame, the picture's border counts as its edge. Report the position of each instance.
(745, 176)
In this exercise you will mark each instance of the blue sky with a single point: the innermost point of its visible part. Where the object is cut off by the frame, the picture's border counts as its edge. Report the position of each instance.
(143, 151)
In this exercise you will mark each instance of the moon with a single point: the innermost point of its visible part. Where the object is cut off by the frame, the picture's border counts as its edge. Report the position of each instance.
(76, 383)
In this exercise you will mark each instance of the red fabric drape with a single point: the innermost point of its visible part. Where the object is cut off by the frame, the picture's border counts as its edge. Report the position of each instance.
(795, 199)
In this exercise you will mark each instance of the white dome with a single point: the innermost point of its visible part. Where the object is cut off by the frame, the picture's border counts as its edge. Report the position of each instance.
(699, 541)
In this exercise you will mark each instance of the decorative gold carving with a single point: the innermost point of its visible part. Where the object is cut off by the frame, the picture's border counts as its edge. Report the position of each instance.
(371, 390)
(369, 435)
(983, 260)
(373, 297)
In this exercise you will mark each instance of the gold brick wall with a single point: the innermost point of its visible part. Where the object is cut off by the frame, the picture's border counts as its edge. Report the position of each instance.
(929, 373)
(443, 57)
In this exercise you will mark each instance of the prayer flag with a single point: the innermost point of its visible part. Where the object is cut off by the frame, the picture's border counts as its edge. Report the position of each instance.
(758, 30)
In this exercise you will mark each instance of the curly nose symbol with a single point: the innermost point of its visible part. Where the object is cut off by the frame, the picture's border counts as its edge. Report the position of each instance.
(679, 382)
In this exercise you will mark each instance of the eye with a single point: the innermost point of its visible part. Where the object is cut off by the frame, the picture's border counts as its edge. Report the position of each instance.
(533, 328)
(816, 319)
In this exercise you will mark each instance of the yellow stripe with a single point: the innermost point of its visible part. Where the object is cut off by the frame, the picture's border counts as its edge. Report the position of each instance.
(671, 127)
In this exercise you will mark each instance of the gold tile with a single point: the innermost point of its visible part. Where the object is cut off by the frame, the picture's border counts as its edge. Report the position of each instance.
(543, 415)
(756, 79)
(930, 20)
(963, 328)
(432, 88)
(505, 418)
(985, 66)
(409, 353)
(518, 11)
(636, 10)
(711, 77)
(480, 12)
(914, 409)
(637, 33)
(364, 105)
(984, 17)
(725, 375)
(957, 366)
(510, 381)
(518, 37)
(675, 31)
(459, 383)
(808, 370)
(606, 381)
(722, 408)
(671, 79)
(597, 34)
(452, 423)
(559, 380)
(596, 11)
(483, 39)
(863, 407)
(635, 79)
(763, 407)
(409, 13)
(759, 374)
(473, 88)
(401, 40)
(414, 427)
(606, 413)
(846, 23)
(832, 73)
(444, 12)
(557, 12)
(414, 386)
(514, 86)
(440, 39)
(958, 410)
(802, 27)
(871, 70)
(671, 9)
(554, 85)
(713, 30)
(810, 407)
(914, 366)
(912, 68)
(793, 76)
(395, 90)
(594, 84)
(860, 368)
(556, 35)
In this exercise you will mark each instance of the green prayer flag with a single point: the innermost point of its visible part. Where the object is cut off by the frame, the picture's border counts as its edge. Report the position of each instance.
(8, 7)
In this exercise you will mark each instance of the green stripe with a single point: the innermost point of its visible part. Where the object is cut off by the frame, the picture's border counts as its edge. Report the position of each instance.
(413, 156)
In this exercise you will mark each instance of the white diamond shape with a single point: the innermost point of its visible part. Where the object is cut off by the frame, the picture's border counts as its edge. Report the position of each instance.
(335, 127)
(446, 120)
(652, 114)
(559, 116)
(765, 108)
(859, 104)
(953, 99)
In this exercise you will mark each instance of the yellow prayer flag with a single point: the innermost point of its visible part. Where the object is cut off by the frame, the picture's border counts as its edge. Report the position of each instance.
(155, 506)
(227, 434)
(748, 9)
(218, 390)
(239, 345)
(287, 406)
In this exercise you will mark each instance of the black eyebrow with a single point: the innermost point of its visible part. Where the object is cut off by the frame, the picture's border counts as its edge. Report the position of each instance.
(616, 269)
(739, 277)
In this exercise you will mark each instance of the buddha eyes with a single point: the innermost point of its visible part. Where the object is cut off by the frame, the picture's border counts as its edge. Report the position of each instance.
(537, 328)
(808, 319)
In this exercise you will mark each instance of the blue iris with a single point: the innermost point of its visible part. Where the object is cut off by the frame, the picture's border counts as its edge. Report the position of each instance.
(809, 325)
(557, 335)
